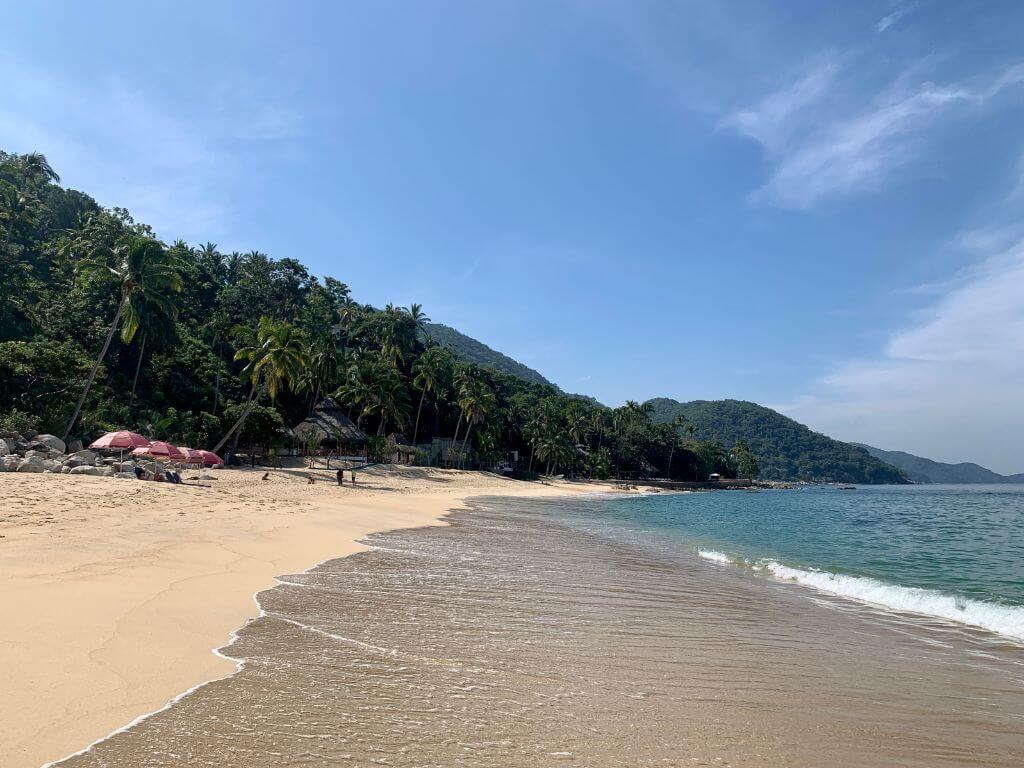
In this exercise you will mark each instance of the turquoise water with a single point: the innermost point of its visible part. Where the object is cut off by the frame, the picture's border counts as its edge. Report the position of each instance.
(953, 552)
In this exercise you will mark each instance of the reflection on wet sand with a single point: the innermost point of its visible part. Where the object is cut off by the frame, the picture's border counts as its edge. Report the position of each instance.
(509, 639)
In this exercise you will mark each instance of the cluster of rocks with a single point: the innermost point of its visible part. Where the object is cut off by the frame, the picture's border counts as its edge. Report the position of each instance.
(48, 453)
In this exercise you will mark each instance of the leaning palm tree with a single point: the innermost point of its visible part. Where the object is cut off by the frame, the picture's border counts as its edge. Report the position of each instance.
(143, 270)
(429, 373)
(677, 423)
(476, 402)
(274, 362)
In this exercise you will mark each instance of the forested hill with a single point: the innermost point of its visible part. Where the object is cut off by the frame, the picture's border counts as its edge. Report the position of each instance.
(473, 351)
(785, 448)
(922, 470)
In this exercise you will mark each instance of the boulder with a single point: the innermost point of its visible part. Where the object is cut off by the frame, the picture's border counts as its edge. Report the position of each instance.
(125, 475)
(52, 442)
(7, 434)
(124, 466)
(6, 448)
(86, 469)
(30, 435)
(153, 467)
(51, 466)
(37, 454)
(34, 464)
(75, 446)
(84, 457)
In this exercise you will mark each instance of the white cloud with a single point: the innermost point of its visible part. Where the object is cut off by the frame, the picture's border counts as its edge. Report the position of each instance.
(821, 147)
(947, 386)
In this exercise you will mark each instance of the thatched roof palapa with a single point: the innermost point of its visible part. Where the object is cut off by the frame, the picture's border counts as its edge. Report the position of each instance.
(329, 424)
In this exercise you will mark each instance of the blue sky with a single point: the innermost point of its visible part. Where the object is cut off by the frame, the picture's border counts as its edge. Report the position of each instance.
(815, 206)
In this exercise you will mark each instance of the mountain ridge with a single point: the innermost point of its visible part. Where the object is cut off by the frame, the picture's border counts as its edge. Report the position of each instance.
(920, 469)
(785, 448)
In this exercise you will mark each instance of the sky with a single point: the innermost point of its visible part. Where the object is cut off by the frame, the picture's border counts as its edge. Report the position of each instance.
(813, 206)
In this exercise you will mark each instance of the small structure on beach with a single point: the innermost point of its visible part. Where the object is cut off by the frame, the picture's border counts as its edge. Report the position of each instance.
(330, 428)
(404, 452)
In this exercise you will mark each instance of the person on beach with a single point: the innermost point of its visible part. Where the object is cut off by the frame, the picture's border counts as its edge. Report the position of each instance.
(341, 477)
(353, 477)
(266, 476)
(311, 480)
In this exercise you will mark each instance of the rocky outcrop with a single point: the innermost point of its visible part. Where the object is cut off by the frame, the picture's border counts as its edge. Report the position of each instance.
(33, 464)
(52, 442)
(86, 470)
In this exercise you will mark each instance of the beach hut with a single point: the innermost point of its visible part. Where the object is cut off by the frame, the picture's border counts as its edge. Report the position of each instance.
(403, 452)
(331, 429)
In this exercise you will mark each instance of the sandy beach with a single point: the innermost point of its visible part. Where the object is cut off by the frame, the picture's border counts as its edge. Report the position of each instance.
(114, 593)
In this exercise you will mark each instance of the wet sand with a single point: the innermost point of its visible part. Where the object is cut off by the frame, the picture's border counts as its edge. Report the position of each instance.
(513, 638)
(114, 593)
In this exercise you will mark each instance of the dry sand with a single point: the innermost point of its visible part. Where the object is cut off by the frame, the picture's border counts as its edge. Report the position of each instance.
(113, 593)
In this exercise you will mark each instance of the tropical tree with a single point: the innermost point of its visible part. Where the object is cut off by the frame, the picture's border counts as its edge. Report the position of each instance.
(676, 424)
(476, 401)
(274, 362)
(145, 276)
(429, 373)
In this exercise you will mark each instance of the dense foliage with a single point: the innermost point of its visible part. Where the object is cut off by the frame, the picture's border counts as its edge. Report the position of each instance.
(103, 326)
(473, 351)
(785, 448)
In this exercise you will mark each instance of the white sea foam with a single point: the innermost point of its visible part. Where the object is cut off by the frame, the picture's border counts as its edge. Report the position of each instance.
(1007, 620)
(715, 557)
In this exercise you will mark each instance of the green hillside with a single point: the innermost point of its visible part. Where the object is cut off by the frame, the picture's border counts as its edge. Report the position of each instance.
(921, 470)
(784, 448)
(473, 351)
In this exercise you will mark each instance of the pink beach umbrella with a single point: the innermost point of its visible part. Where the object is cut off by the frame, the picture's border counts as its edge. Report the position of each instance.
(124, 441)
(158, 449)
(192, 456)
(210, 459)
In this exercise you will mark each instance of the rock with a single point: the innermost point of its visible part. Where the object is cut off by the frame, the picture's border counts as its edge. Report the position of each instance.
(34, 464)
(75, 446)
(124, 466)
(85, 457)
(153, 467)
(50, 465)
(30, 435)
(7, 434)
(125, 475)
(53, 442)
(37, 454)
(65, 470)
(6, 448)
(106, 471)
(86, 469)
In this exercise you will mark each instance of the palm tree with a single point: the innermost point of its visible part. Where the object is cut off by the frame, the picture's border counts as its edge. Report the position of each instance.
(677, 423)
(429, 370)
(143, 270)
(36, 167)
(419, 318)
(476, 402)
(274, 361)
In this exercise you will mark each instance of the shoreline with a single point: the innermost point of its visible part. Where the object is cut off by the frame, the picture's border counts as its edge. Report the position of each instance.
(119, 593)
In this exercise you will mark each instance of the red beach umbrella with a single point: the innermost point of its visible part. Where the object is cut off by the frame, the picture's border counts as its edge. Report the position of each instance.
(124, 441)
(158, 449)
(210, 459)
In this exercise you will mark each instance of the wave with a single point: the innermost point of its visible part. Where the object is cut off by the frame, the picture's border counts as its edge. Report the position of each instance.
(1005, 620)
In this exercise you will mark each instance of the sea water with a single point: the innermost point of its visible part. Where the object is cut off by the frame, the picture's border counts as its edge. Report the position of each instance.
(656, 630)
(950, 551)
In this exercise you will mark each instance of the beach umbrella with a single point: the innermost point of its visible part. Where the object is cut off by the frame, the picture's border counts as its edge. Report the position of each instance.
(125, 441)
(210, 459)
(158, 449)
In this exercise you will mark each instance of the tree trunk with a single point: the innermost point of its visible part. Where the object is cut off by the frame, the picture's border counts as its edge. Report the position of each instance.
(455, 438)
(532, 449)
(549, 468)
(95, 367)
(138, 367)
(416, 429)
(465, 440)
(216, 381)
(236, 428)
(668, 472)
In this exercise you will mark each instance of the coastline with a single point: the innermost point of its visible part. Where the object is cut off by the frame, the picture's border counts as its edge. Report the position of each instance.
(116, 593)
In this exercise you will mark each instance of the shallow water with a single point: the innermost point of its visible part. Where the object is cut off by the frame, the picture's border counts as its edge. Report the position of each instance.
(542, 633)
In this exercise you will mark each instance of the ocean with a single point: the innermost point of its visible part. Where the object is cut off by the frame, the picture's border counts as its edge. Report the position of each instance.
(808, 628)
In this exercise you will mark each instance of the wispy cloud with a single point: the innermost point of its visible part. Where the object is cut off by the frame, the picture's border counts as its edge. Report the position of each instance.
(822, 147)
(956, 369)
(128, 147)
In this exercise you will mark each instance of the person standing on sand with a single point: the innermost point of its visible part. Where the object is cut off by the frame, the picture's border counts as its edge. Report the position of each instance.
(341, 477)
